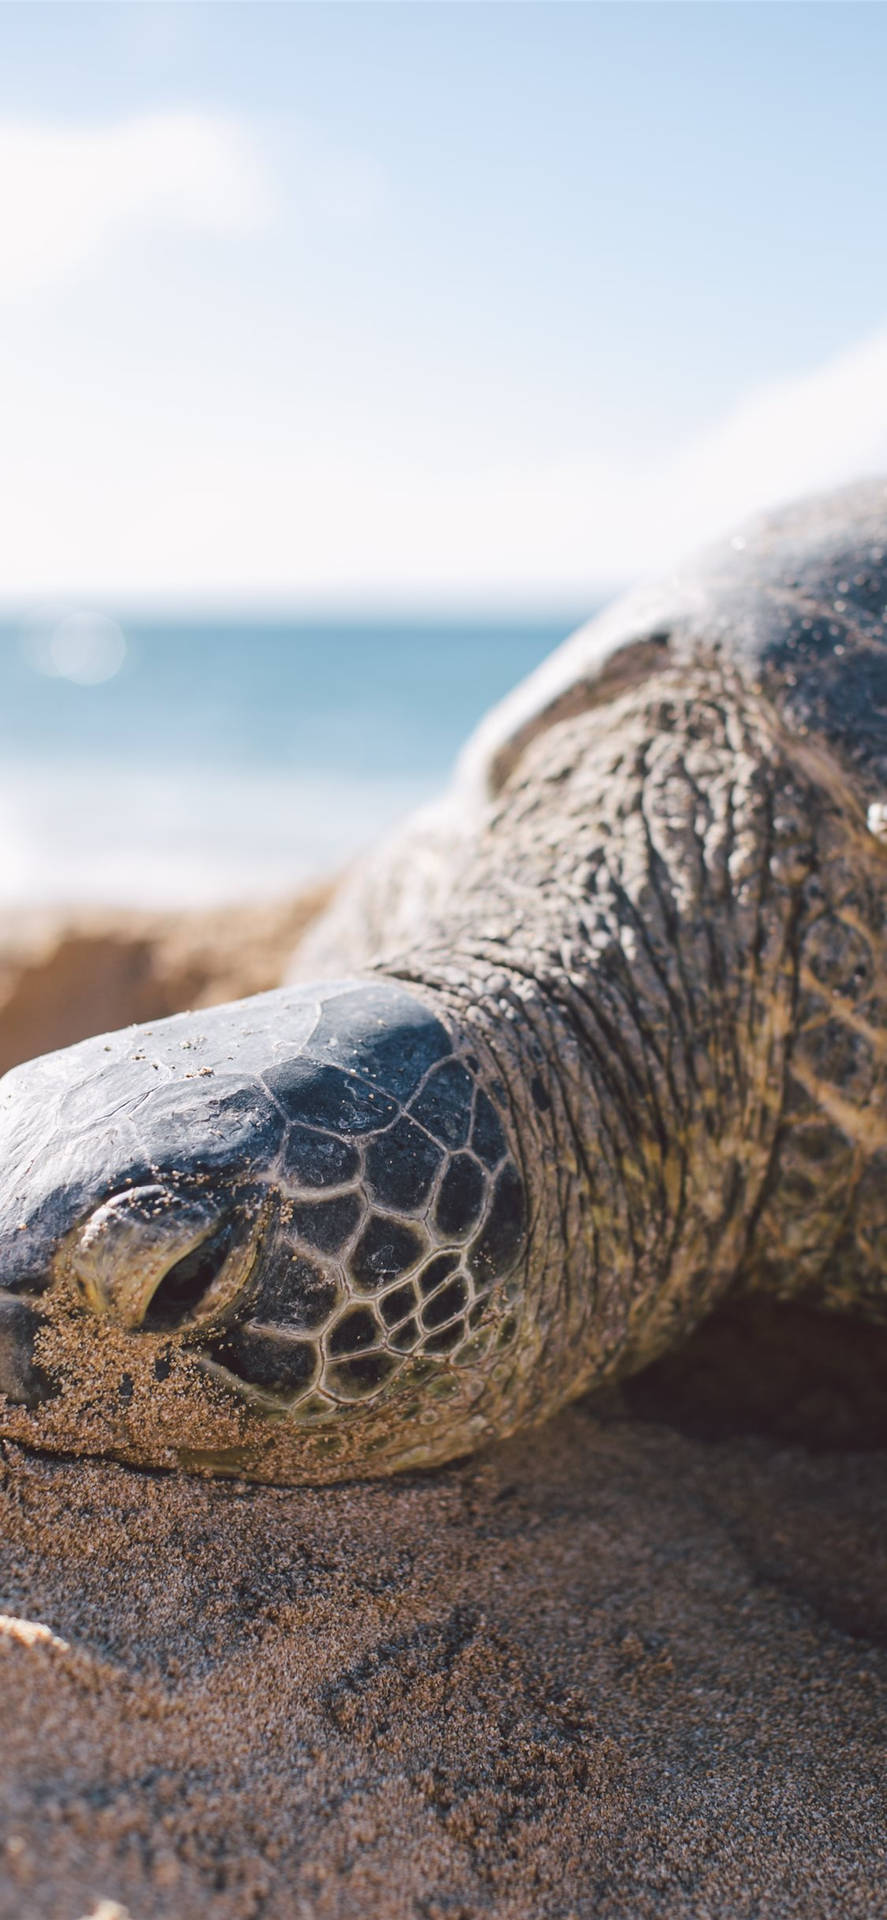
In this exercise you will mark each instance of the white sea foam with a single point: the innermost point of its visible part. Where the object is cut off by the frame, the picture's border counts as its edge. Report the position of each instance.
(123, 836)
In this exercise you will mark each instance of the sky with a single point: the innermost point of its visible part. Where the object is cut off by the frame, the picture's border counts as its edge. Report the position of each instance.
(358, 305)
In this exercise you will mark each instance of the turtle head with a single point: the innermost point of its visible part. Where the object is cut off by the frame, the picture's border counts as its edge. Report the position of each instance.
(295, 1209)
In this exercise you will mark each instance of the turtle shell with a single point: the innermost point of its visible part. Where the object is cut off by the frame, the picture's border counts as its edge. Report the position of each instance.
(796, 600)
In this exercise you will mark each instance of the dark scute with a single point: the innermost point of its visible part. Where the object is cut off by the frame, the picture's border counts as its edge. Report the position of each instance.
(326, 1097)
(384, 1034)
(487, 1137)
(446, 1304)
(256, 1354)
(400, 1301)
(498, 1244)
(406, 1336)
(326, 1224)
(318, 1159)
(444, 1105)
(401, 1165)
(356, 1330)
(461, 1196)
(215, 1122)
(21, 1379)
(439, 1270)
(355, 1378)
(446, 1340)
(384, 1251)
(293, 1293)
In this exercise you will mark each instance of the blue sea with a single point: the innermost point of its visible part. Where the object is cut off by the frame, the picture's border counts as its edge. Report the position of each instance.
(166, 762)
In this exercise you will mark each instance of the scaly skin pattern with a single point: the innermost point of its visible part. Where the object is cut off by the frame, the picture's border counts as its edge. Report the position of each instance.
(681, 961)
(629, 1056)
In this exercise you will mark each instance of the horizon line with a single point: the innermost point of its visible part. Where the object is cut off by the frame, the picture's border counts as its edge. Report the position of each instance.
(353, 609)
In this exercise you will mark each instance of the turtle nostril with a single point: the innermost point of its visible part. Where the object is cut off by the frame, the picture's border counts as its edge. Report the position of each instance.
(21, 1378)
(184, 1287)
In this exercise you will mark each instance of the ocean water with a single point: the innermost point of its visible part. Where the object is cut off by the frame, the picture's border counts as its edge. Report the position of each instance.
(191, 761)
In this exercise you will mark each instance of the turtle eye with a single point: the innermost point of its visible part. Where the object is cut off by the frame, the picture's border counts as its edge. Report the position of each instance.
(180, 1293)
(160, 1260)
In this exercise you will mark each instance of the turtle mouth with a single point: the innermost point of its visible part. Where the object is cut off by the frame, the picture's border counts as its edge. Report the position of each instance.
(156, 1261)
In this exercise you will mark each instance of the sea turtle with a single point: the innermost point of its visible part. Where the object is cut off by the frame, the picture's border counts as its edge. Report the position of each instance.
(612, 1040)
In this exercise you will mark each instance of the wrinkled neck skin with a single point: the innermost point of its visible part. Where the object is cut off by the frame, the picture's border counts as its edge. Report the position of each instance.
(658, 959)
(667, 942)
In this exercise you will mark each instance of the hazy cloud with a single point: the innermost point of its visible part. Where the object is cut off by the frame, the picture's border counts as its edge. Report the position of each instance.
(240, 503)
(65, 190)
(790, 437)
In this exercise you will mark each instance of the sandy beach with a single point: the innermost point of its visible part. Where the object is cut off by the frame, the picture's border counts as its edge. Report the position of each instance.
(602, 1671)
(443, 446)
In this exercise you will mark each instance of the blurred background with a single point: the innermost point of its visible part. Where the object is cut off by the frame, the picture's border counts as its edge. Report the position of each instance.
(349, 354)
